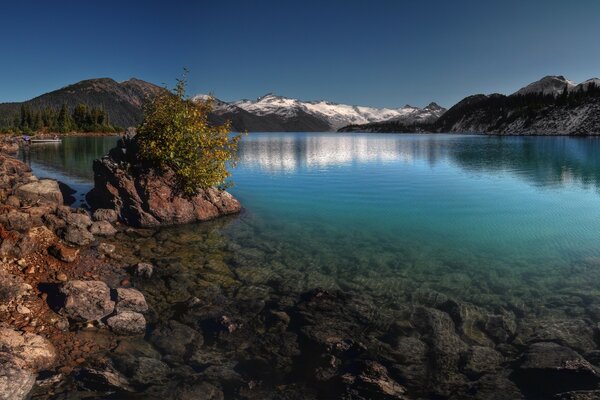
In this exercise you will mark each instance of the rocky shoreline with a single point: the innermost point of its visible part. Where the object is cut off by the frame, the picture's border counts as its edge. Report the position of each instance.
(83, 315)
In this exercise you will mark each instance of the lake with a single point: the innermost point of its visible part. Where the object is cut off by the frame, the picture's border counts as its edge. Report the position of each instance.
(507, 224)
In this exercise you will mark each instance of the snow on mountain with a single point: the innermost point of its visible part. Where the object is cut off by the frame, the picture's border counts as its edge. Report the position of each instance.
(585, 84)
(336, 115)
(550, 84)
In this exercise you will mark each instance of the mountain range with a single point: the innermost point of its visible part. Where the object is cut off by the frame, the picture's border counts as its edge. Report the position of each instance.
(552, 105)
(277, 113)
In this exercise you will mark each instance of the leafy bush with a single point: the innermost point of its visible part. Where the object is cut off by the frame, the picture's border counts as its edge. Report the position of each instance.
(175, 133)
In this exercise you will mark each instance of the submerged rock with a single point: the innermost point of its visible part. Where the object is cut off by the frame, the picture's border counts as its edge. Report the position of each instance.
(549, 368)
(127, 323)
(145, 197)
(131, 300)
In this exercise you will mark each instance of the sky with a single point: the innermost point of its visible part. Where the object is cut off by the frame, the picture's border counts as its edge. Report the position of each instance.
(382, 53)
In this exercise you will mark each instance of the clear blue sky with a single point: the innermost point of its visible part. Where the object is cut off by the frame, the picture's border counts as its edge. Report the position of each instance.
(380, 53)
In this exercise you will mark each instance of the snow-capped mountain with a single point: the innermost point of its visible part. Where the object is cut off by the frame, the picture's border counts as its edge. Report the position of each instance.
(550, 84)
(321, 115)
(575, 113)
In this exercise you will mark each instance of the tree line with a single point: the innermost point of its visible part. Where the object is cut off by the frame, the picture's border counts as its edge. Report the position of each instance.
(81, 118)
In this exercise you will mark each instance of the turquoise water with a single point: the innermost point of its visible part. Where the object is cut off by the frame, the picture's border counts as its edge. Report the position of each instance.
(483, 218)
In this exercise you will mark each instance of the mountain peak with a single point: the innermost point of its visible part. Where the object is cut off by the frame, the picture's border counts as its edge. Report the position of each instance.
(548, 85)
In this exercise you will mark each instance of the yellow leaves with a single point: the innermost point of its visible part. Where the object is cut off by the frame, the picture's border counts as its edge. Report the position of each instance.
(175, 133)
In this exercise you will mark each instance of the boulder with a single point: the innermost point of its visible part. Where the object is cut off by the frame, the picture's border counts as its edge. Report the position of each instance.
(105, 214)
(87, 300)
(127, 323)
(35, 240)
(79, 219)
(77, 235)
(548, 368)
(102, 228)
(16, 380)
(146, 197)
(131, 300)
(174, 338)
(37, 352)
(44, 191)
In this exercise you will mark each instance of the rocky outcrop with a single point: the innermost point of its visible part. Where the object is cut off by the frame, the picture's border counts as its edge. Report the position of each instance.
(145, 197)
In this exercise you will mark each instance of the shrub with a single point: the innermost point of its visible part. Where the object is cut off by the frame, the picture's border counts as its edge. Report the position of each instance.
(175, 133)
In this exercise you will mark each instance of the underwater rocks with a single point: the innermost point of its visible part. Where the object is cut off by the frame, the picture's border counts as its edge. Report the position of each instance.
(144, 197)
(127, 323)
(548, 368)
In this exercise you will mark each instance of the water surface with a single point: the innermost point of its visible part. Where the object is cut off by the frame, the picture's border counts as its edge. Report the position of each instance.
(474, 216)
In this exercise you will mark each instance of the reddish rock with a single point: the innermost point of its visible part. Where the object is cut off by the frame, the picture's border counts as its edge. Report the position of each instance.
(143, 197)
(63, 253)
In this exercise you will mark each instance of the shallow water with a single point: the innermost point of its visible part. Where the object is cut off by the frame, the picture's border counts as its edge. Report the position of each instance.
(474, 213)
(509, 224)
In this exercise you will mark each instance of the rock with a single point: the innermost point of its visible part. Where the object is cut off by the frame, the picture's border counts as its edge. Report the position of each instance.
(497, 386)
(174, 338)
(35, 240)
(79, 219)
(146, 371)
(12, 287)
(144, 270)
(501, 327)
(575, 333)
(63, 253)
(87, 300)
(16, 220)
(143, 197)
(106, 248)
(21, 309)
(549, 368)
(105, 214)
(127, 323)
(37, 353)
(579, 395)
(102, 228)
(104, 380)
(16, 380)
(62, 277)
(131, 300)
(44, 191)
(77, 235)
(372, 381)
(480, 360)
(13, 201)
(54, 222)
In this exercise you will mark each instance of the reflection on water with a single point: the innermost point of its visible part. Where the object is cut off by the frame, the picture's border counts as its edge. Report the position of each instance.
(541, 160)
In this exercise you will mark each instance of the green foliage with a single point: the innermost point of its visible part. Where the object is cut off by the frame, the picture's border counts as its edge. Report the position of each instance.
(81, 119)
(175, 133)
